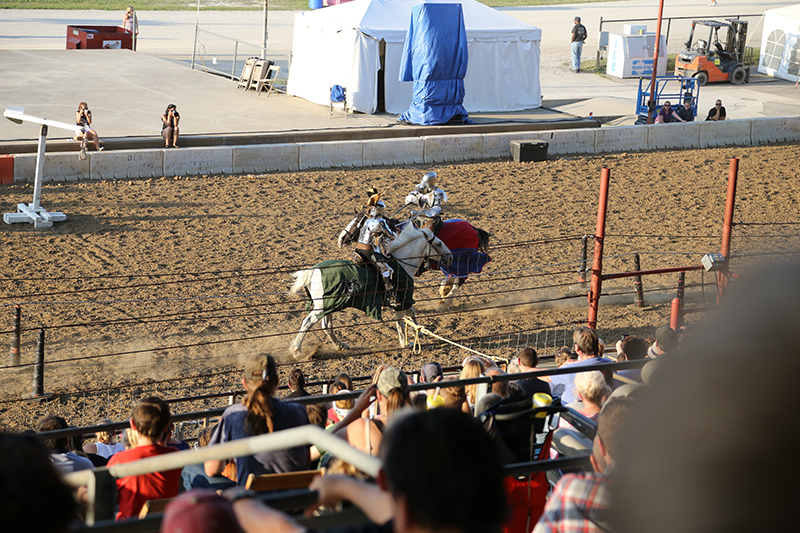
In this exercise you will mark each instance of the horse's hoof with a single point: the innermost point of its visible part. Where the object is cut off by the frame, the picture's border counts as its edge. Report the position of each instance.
(342, 346)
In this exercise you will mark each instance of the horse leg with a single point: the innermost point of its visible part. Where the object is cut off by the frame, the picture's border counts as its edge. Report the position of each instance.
(453, 285)
(308, 322)
(327, 327)
(401, 326)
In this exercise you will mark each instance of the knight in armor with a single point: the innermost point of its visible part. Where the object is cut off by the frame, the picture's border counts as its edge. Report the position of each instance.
(426, 193)
(370, 230)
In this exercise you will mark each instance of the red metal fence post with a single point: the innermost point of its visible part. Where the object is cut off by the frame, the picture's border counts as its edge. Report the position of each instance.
(676, 314)
(727, 227)
(599, 237)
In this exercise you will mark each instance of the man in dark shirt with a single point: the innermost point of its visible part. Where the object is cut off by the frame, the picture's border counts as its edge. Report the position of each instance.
(717, 112)
(685, 111)
(297, 384)
(577, 36)
(528, 359)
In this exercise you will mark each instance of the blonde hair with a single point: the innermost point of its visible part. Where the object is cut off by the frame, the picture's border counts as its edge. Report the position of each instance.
(592, 386)
(129, 439)
(472, 369)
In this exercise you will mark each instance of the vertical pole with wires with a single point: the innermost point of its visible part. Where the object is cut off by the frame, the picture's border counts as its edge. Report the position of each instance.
(599, 239)
(651, 104)
(727, 227)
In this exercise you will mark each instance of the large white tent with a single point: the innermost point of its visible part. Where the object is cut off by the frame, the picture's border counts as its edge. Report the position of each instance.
(780, 43)
(346, 44)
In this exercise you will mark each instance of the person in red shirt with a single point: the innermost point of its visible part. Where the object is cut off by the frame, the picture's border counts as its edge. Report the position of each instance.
(150, 423)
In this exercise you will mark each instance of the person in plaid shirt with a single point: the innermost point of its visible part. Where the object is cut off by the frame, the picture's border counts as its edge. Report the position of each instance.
(579, 503)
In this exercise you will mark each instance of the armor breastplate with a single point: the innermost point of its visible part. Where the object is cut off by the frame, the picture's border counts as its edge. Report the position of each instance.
(372, 230)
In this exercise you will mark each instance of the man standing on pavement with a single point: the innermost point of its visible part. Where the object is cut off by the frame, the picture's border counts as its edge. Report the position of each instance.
(577, 37)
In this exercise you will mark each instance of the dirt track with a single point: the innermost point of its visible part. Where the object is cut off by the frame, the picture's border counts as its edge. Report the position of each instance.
(201, 265)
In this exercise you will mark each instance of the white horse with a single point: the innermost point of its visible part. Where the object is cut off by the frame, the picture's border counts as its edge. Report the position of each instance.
(345, 284)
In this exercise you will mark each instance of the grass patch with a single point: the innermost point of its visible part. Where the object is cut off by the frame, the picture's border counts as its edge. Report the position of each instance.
(221, 5)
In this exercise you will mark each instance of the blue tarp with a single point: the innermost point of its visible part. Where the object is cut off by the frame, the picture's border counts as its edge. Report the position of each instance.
(435, 59)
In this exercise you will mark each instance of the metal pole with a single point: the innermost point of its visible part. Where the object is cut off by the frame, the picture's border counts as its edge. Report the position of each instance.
(681, 286)
(266, 15)
(727, 227)
(582, 266)
(235, 56)
(597, 62)
(638, 299)
(675, 316)
(13, 358)
(38, 368)
(651, 103)
(37, 185)
(599, 237)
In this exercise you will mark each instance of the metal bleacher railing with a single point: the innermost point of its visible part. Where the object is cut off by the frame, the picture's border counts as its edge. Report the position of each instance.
(101, 487)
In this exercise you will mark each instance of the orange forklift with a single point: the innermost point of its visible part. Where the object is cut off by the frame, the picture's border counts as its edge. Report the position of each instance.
(714, 60)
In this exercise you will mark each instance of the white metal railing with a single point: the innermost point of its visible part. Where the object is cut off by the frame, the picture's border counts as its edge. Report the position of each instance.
(287, 438)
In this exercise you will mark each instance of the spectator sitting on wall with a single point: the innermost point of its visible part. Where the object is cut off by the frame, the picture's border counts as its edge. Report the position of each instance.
(717, 112)
(686, 112)
(666, 115)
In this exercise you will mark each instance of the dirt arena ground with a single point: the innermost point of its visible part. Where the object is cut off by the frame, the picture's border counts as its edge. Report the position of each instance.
(166, 285)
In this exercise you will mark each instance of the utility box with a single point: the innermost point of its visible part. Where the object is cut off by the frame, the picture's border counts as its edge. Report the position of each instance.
(98, 37)
(524, 151)
(631, 56)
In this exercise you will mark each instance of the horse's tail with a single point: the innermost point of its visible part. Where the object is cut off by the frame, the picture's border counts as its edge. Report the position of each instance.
(483, 240)
(302, 279)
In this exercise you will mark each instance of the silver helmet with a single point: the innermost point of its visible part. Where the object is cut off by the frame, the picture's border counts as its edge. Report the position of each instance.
(428, 182)
(377, 209)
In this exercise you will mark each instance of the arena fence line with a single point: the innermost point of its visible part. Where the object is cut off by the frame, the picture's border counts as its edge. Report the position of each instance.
(65, 166)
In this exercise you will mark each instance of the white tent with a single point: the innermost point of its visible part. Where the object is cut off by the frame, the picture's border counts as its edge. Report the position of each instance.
(344, 45)
(780, 43)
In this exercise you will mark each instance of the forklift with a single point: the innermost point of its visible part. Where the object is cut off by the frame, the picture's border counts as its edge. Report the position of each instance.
(713, 60)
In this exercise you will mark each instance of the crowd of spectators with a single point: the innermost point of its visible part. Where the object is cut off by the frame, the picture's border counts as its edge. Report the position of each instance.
(367, 424)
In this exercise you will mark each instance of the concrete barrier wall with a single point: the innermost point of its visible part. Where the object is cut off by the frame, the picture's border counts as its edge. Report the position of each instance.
(394, 152)
(725, 133)
(198, 161)
(772, 130)
(122, 164)
(669, 136)
(266, 158)
(580, 141)
(621, 139)
(332, 154)
(443, 148)
(57, 167)
(499, 144)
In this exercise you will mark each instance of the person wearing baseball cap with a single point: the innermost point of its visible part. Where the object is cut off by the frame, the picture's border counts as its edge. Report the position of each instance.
(577, 36)
(260, 413)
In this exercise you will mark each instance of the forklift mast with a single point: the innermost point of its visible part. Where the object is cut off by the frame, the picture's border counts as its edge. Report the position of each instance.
(737, 39)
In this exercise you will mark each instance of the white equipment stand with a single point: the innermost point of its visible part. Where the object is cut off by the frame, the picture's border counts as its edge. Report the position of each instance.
(33, 213)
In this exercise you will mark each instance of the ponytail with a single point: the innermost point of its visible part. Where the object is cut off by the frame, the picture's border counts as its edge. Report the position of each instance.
(395, 401)
(259, 409)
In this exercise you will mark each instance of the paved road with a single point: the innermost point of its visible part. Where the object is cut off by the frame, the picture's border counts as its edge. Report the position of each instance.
(170, 36)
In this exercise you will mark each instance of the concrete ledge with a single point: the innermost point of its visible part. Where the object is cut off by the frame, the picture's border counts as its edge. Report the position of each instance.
(725, 133)
(394, 152)
(331, 154)
(57, 167)
(453, 148)
(198, 161)
(669, 136)
(621, 139)
(266, 158)
(499, 144)
(127, 164)
(772, 130)
(580, 141)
